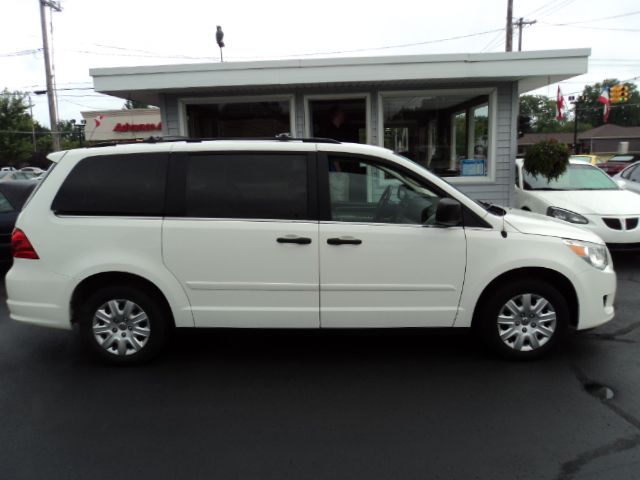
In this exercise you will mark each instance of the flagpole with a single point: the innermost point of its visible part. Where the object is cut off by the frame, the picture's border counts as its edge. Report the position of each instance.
(575, 126)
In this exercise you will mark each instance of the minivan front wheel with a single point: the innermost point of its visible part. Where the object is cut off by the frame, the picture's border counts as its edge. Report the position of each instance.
(123, 324)
(524, 319)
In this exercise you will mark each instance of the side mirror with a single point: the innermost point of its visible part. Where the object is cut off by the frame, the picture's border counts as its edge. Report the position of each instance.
(448, 213)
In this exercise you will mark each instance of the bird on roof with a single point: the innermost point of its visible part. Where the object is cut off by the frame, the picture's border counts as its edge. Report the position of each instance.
(219, 36)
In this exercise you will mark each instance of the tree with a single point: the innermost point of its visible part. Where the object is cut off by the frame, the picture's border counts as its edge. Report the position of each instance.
(16, 144)
(547, 158)
(70, 137)
(538, 115)
(131, 104)
(591, 111)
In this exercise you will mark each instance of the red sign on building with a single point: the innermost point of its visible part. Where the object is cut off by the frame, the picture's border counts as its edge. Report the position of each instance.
(137, 127)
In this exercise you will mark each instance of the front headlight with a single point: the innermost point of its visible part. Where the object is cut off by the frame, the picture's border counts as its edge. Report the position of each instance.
(566, 215)
(592, 253)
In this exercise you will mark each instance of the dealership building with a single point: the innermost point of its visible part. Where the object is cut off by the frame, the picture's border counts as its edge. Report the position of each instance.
(455, 114)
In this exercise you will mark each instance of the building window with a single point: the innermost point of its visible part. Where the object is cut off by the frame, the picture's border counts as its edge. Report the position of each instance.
(241, 119)
(447, 133)
(342, 119)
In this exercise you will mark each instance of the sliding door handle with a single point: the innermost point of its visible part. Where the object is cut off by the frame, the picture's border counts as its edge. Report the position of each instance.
(344, 241)
(293, 239)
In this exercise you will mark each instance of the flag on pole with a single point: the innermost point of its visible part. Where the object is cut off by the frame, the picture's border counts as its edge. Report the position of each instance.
(98, 120)
(560, 106)
(604, 99)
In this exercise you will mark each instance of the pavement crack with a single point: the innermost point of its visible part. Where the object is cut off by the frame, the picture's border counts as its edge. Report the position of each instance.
(617, 333)
(607, 337)
(569, 469)
(586, 381)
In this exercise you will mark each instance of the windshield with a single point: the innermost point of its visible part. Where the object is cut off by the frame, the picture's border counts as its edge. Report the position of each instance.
(621, 158)
(581, 158)
(576, 177)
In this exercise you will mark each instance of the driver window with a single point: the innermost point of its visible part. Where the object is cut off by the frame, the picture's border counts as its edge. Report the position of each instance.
(366, 192)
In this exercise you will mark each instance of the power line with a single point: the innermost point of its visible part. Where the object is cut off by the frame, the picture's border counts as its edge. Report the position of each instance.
(541, 8)
(21, 52)
(385, 47)
(78, 104)
(493, 42)
(113, 54)
(608, 29)
(555, 9)
(628, 14)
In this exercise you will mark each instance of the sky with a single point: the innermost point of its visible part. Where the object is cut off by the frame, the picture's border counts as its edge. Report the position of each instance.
(91, 34)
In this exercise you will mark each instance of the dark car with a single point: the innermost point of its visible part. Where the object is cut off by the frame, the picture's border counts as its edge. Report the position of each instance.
(13, 195)
(617, 163)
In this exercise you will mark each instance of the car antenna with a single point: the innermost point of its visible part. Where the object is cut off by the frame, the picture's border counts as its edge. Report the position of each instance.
(503, 232)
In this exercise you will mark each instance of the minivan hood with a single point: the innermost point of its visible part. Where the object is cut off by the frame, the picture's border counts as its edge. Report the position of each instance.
(536, 224)
(592, 202)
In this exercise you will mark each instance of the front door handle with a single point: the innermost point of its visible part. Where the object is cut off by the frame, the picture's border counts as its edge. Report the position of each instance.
(344, 241)
(298, 240)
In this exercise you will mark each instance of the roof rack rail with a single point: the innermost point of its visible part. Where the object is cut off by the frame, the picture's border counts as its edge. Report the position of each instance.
(285, 137)
(282, 137)
(113, 143)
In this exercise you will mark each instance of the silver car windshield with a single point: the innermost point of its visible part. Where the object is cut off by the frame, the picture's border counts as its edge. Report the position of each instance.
(576, 177)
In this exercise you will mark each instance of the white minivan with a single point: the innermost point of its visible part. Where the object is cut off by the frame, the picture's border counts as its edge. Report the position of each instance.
(127, 242)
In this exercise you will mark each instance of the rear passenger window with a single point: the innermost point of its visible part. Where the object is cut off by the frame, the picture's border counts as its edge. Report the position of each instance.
(122, 185)
(5, 206)
(247, 185)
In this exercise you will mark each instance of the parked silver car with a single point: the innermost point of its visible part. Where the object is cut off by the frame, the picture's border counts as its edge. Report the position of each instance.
(629, 178)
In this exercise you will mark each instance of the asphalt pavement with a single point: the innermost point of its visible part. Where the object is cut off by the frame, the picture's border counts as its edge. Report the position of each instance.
(274, 405)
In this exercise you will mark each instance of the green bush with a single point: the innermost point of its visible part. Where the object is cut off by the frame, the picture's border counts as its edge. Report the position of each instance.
(547, 158)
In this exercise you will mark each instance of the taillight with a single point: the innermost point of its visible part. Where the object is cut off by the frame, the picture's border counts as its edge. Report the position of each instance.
(21, 246)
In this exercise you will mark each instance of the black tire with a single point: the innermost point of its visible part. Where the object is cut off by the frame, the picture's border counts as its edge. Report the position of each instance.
(532, 330)
(142, 340)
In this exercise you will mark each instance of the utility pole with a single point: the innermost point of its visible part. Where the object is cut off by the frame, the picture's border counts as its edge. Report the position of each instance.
(576, 102)
(509, 44)
(53, 111)
(520, 24)
(33, 124)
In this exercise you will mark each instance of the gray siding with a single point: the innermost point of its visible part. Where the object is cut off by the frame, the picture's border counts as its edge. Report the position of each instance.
(501, 191)
(170, 126)
(299, 115)
(373, 118)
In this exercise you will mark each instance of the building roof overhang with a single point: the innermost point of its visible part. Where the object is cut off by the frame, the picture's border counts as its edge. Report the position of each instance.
(531, 70)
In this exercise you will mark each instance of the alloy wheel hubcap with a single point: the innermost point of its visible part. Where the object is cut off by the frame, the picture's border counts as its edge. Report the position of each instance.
(121, 327)
(526, 322)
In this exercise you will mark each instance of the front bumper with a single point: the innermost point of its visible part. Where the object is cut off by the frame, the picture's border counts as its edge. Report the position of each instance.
(596, 295)
(614, 236)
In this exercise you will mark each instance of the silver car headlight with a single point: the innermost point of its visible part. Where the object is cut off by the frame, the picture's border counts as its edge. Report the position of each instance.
(566, 215)
(594, 254)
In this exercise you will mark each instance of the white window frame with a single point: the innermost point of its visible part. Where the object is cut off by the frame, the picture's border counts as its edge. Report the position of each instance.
(453, 157)
(490, 177)
(337, 96)
(184, 102)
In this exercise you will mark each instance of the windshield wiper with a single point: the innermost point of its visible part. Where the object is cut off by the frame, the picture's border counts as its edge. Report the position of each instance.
(495, 209)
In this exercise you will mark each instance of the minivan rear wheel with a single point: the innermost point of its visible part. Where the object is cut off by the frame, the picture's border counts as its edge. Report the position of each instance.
(123, 324)
(524, 319)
